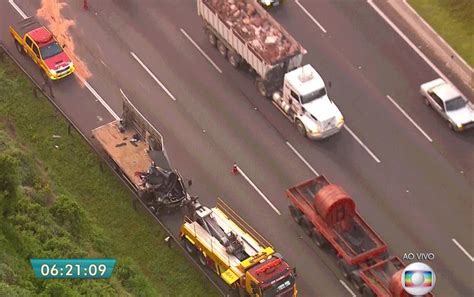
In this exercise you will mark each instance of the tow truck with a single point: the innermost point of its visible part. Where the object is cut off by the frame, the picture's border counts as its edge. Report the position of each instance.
(35, 40)
(243, 259)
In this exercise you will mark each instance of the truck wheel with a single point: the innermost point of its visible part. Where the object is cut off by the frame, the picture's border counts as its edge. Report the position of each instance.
(427, 102)
(451, 126)
(301, 128)
(188, 246)
(319, 239)
(262, 88)
(234, 59)
(346, 269)
(357, 281)
(367, 292)
(222, 48)
(307, 226)
(202, 259)
(19, 48)
(212, 38)
(296, 214)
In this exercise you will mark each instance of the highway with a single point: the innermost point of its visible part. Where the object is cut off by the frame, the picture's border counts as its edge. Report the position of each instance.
(411, 190)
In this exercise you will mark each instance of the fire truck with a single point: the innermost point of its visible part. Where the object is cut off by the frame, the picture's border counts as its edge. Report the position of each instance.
(243, 259)
(33, 39)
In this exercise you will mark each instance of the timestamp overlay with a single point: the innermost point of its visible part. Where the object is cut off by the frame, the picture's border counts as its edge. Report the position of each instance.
(73, 268)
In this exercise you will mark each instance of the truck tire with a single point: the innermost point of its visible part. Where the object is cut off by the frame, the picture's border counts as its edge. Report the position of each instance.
(19, 48)
(451, 126)
(222, 48)
(307, 226)
(367, 292)
(357, 281)
(427, 101)
(346, 269)
(296, 214)
(234, 59)
(262, 88)
(319, 239)
(211, 38)
(202, 259)
(188, 246)
(300, 127)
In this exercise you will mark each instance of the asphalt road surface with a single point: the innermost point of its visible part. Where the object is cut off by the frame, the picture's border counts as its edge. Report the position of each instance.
(415, 193)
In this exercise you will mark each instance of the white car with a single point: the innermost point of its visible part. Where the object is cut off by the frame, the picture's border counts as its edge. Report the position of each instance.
(449, 103)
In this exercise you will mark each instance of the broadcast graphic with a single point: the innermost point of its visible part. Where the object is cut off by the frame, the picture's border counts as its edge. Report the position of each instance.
(418, 279)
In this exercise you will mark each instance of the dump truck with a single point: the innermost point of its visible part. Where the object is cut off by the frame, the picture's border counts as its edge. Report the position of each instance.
(328, 215)
(250, 38)
(35, 40)
(243, 259)
(136, 151)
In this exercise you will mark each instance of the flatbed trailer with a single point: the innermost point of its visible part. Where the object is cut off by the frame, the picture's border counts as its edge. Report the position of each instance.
(327, 210)
(244, 260)
(244, 32)
(136, 152)
(328, 215)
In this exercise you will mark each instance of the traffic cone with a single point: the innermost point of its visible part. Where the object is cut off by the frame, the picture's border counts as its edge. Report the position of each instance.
(235, 169)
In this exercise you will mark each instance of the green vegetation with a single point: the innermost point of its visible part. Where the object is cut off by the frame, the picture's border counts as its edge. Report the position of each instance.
(453, 20)
(55, 201)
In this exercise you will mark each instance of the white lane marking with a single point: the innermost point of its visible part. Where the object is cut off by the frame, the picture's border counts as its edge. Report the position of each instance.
(153, 76)
(347, 288)
(258, 191)
(302, 159)
(201, 50)
(310, 16)
(98, 97)
(409, 118)
(463, 249)
(18, 9)
(410, 43)
(362, 144)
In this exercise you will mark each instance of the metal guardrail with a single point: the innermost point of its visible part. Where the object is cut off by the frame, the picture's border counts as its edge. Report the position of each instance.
(3, 51)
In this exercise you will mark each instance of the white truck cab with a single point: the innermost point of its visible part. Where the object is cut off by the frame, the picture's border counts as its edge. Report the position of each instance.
(306, 103)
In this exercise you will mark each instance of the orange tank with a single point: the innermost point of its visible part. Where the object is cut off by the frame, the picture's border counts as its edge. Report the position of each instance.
(334, 204)
(396, 287)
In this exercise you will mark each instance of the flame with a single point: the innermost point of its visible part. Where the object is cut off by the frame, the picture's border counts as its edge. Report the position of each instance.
(50, 12)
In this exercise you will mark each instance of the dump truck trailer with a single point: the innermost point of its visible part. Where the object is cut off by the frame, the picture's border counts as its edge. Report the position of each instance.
(137, 153)
(328, 215)
(249, 37)
(243, 259)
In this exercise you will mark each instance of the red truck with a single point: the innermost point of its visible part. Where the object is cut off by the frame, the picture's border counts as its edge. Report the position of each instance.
(328, 215)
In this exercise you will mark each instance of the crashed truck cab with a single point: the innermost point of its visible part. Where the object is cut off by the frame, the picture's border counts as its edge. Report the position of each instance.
(305, 101)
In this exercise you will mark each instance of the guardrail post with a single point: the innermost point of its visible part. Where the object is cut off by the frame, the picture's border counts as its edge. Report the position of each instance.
(69, 129)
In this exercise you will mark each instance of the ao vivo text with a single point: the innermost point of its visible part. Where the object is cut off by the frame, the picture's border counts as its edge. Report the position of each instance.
(419, 256)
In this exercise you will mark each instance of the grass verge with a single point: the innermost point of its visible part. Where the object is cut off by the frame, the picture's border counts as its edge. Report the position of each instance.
(72, 170)
(453, 20)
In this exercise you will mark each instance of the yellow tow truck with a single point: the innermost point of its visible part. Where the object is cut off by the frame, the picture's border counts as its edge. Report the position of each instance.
(35, 40)
(243, 259)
